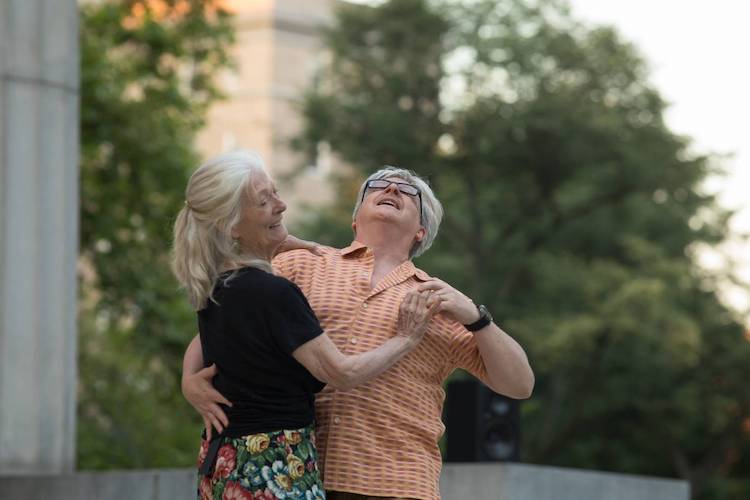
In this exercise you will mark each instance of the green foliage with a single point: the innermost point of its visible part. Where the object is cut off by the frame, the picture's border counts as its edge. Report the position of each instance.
(146, 83)
(571, 210)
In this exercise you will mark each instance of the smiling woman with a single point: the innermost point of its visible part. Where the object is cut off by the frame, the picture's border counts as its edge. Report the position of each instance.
(261, 228)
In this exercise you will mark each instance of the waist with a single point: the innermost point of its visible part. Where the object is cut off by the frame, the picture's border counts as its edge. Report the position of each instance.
(251, 418)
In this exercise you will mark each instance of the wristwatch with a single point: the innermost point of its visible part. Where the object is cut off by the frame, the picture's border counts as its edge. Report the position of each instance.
(485, 318)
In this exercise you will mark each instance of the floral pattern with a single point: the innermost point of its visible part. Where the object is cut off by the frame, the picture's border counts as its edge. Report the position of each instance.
(266, 466)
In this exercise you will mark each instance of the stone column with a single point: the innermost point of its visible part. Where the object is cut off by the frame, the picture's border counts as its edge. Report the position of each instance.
(39, 78)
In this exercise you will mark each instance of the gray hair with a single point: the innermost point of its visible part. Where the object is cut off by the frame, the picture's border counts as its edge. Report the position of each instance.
(431, 209)
(202, 243)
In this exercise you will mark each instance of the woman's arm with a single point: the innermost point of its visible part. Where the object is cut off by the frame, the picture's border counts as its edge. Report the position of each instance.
(326, 363)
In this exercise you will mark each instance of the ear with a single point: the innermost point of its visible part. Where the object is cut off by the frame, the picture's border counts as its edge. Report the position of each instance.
(421, 233)
(354, 227)
(234, 232)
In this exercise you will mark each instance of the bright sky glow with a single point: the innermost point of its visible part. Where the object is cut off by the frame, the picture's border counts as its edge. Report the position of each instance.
(698, 55)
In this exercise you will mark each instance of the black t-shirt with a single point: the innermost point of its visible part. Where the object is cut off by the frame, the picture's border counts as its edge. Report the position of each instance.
(260, 319)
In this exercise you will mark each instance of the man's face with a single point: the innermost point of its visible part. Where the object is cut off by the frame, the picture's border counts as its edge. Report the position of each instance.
(392, 200)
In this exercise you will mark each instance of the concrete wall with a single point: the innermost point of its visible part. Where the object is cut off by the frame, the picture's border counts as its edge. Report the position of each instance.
(534, 482)
(459, 482)
(161, 484)
(38, 234)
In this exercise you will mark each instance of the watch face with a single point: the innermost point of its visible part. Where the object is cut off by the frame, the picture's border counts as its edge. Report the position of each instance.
(485, 313)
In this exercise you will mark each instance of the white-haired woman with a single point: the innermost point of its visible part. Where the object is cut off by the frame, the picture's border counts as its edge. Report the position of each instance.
(270, 353)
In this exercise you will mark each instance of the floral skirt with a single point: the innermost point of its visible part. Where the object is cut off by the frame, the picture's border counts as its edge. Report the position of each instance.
(271, 465)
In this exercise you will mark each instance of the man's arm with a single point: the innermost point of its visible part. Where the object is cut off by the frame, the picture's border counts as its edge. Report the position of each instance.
(199, 391)
(508, 369)
(507, 366)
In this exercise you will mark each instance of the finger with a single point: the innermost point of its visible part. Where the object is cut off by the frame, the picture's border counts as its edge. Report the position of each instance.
(218, 397)
(209, 372)
(434, 304)
(429, 285)
(209, 428)
(408, 300)
(413, 301)
(215, 422)
(421, 302)
(219, 414)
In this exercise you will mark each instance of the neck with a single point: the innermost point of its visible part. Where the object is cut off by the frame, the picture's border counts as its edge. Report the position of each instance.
(261, 252)
(388, 251)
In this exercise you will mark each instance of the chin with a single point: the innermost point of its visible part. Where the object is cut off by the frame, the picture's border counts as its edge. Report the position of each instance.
(282, 234)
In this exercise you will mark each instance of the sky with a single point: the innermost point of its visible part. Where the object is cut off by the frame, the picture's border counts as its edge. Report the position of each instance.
(698, 53)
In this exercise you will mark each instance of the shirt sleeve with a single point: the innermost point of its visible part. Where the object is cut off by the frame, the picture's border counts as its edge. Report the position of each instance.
(466, 353)
(293, 322)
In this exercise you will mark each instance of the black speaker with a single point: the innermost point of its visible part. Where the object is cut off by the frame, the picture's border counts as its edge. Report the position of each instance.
(481, 426)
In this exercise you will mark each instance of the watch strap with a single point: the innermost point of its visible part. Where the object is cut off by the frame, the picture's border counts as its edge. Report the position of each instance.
(485, 318)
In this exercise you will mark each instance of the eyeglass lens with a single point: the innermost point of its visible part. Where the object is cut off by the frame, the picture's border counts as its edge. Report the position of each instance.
(403, 187)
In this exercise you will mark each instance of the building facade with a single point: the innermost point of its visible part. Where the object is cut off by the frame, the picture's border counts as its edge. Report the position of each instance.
(277, 51)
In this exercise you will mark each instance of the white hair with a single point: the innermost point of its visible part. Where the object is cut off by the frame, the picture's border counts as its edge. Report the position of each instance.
(431, 209)
(203, 245)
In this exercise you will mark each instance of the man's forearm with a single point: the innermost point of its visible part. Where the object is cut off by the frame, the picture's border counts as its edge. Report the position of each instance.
(192, 362)
(508, 368)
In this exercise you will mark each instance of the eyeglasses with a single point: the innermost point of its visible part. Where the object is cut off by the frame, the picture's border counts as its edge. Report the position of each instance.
(403, 187)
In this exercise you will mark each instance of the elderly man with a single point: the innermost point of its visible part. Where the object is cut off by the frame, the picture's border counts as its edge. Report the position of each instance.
(381, 438)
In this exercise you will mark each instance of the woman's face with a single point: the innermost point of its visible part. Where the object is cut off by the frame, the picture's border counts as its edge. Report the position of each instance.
(261, 228)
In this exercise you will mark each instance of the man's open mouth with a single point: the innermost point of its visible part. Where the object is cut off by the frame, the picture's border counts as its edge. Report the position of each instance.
(389, 202)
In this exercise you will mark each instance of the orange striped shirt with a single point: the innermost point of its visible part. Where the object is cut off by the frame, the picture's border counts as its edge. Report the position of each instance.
(379, 439)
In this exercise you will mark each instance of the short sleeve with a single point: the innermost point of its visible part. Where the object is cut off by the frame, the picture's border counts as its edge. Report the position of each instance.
(466, 352)
(292, 321)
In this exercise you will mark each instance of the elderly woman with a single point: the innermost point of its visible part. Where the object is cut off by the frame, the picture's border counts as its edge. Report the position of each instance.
(270, 352)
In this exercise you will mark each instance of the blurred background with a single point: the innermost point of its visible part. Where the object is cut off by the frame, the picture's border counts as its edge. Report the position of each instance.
(592, 157)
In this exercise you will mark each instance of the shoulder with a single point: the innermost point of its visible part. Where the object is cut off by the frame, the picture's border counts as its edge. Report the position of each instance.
(304, 255)
(258, 284)
(293, 261)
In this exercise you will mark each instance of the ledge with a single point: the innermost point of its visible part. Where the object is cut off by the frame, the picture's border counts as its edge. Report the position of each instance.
(483, 481)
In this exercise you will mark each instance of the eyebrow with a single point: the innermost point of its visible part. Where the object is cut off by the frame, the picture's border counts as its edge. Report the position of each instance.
(266, 190)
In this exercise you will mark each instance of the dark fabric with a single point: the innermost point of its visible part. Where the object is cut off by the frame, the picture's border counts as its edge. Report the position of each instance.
(250, 332)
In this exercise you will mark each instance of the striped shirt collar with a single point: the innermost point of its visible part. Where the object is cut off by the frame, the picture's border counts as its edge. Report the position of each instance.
(406, 269)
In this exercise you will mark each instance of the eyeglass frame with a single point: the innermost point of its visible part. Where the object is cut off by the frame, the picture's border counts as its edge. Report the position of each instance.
(398, 186)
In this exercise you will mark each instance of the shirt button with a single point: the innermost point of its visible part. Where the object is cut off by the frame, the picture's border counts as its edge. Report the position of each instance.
(364, 305)
(336, 420)
(353, 341)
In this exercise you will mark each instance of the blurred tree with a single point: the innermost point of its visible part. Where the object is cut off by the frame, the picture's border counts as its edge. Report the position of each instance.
(571, 210)
(147, 69)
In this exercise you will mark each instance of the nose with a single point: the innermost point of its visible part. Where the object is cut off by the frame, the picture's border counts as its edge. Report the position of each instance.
(392, 188)
(280, 205)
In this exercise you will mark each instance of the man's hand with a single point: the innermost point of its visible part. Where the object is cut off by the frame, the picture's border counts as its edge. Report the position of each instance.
(454, 304)
(200, 393)
(294, 243)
